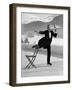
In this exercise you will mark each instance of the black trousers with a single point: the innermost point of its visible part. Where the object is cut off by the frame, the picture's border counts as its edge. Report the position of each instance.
(48, 54)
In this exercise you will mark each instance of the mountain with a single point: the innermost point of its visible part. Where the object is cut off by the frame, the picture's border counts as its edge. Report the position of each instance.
(58, 21)
(41, 26)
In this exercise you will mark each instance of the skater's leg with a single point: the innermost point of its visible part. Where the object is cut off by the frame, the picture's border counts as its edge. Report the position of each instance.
(48, 55)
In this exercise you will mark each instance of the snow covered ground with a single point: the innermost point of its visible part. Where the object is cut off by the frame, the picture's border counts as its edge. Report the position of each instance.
(42, 68)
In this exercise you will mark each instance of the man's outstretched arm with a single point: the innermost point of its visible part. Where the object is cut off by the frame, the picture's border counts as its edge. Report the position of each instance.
(42, 32)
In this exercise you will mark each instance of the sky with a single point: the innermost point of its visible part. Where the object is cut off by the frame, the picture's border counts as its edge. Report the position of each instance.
(30, 17)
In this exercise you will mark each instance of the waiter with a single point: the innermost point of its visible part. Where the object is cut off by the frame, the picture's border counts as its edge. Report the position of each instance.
(45, 42)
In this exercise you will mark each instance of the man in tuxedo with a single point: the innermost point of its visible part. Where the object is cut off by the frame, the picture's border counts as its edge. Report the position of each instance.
(45, 42)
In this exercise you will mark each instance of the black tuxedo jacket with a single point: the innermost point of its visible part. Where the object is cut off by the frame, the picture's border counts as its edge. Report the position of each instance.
(46, 41)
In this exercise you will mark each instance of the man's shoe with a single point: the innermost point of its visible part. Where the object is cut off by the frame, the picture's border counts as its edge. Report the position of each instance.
(49, 63)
